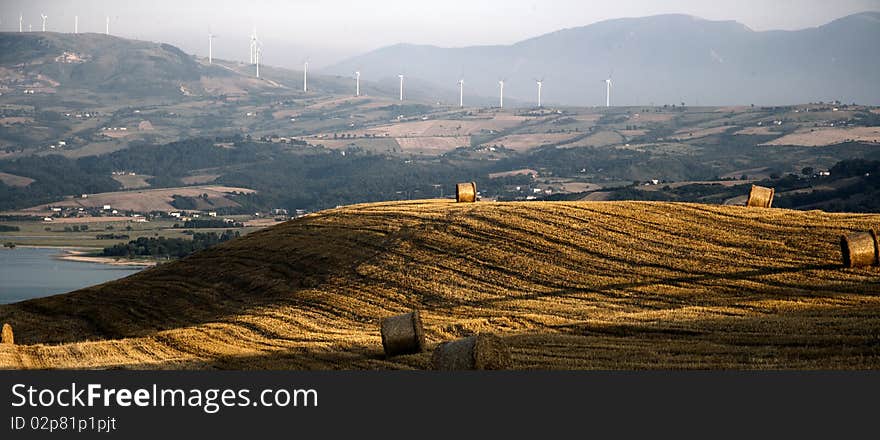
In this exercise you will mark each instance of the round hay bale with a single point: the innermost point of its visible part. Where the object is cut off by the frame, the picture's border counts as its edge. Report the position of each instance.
(6, 336)
(484, 351)
(466, 192)
(860, 249)
(403, 334)
(760, 197)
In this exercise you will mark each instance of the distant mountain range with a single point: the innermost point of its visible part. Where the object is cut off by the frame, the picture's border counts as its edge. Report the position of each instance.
(662, 59)
(665, 59)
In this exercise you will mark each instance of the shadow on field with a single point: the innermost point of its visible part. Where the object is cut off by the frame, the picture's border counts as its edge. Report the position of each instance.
(754, 275)
(750, 275)
(348, 357)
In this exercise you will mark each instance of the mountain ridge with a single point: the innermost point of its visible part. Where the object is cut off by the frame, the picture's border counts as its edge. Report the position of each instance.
(661, 59)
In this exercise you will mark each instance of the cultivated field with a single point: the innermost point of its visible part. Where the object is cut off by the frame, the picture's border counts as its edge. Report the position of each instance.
(40, 233)
(759, 131)
(148, 200)
(433, 145)
(819, 137)
(524, 142)
(14, 180)
(448, 127)
(382, 144)
(575, 285)
(689, 133)
(602, 138)
(136, 181)
(199, 179)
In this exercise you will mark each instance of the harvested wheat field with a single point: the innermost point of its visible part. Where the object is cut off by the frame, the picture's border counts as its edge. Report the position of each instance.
(565, 285)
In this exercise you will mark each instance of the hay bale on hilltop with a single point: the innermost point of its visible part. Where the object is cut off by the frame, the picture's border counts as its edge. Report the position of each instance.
(403, 334)
(466, 192)
(760, 197)
(6, 336)
(860, 249)
(484, 351)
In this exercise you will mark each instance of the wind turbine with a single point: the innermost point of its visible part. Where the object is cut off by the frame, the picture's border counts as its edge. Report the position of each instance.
(357, 83)
(501, 100)
(258, 53)
(20, 18)
(44, 17)
(254, 43)
(461, 93)
(76, 24)
(306, 77)
(401, 86)
(540, 85)
(211, 38)
(107, 27)
(608, 84)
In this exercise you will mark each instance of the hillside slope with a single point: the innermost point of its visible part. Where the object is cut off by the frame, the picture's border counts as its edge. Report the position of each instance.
(88, 66)
(567, 285)
(663, 59)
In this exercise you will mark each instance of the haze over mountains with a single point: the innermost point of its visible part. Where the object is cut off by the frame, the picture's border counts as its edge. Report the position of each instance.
(665, 59)
(662, 59)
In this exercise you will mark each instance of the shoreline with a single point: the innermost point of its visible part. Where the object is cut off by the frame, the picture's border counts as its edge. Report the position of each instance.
(79, 255)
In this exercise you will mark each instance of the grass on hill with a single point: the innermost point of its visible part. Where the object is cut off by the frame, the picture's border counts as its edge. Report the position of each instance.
(568, 285)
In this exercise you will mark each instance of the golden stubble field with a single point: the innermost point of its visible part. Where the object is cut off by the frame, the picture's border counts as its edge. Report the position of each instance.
(567, 285)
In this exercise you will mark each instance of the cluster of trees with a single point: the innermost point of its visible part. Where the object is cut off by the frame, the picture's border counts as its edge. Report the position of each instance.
(111, 236)
(161, 247)
(209, 223)
(54, 177)
(7, 228)
(860, 192)
(57, 176)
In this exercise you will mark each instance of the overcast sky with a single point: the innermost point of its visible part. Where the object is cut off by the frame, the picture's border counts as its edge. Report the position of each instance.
(326, 31)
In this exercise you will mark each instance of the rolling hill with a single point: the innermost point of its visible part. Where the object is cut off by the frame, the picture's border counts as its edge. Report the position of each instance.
(96, 65)
(664, 59)
(575, 285)
(100, 93)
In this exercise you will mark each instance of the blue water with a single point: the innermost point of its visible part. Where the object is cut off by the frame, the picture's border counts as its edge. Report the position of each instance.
(27, 273)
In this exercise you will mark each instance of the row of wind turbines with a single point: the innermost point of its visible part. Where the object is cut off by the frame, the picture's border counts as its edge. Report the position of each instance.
(256, 55)
(45, 18)
(540, 82)
(256, 51)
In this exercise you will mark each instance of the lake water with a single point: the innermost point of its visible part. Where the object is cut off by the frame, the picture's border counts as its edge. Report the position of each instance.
(27, 273)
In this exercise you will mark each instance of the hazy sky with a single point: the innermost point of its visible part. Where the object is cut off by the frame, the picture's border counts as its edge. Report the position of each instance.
(326, 31)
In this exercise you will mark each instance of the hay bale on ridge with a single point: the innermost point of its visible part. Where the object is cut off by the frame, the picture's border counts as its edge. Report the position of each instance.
(6, 336)
(403, 334)
(484, 351)
(760, 197)
(860, 249)
(466, 192)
